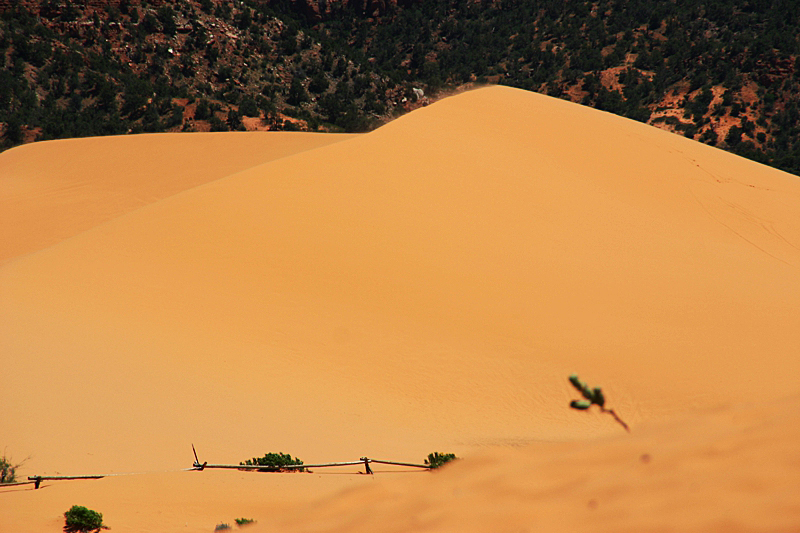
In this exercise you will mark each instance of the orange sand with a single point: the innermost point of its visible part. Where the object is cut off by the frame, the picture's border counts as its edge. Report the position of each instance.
(427, 286)
(53, 190)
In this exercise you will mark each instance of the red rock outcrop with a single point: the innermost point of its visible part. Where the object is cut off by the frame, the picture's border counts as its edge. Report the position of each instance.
(36, 5)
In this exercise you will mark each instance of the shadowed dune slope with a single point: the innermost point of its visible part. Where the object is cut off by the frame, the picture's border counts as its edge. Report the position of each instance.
(427, 286)
(52, 190)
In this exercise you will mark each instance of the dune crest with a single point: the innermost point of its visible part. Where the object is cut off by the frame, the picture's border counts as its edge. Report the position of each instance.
(427, 286)
(52, 190)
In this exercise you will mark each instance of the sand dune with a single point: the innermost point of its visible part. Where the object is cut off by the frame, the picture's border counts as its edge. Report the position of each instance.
(427, 286)
(731, 470)
(53, 190)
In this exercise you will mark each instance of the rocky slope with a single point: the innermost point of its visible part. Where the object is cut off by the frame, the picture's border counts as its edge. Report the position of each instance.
(724, 72)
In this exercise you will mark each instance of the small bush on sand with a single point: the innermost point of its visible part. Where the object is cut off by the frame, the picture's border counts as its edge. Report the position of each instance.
(592, 397)
(222, 527)
(79, 519)
(436, 459)
(274, 462)
(244, 521)
(8, 470)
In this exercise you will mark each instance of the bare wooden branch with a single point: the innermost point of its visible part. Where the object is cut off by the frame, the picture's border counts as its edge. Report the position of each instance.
(13, 483)
(617, 418)
(38, 479)
(34, 478)
(399, 464)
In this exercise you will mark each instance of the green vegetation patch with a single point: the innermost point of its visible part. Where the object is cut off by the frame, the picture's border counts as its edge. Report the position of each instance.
(436, 460)
(8, 470)
(79, 519)
(275, 462)
(592, 396)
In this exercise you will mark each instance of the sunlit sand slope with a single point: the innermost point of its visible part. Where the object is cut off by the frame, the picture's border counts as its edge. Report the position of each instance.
(52, 190)
(427, 286)
(729, 471)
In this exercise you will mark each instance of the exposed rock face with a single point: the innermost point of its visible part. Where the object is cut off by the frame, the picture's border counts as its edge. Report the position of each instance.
(313, 9)
(36, 5)
(9, 4)
(321, 9)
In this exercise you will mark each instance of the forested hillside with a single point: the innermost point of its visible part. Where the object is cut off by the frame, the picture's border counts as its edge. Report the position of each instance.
(724, 72)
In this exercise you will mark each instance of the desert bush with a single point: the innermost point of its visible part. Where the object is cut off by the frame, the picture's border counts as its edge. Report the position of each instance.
(593, 396)
(248, 107)
(244, 521)
(436, 459)
(274, 462)
(79, 519)
(203, 110)
(222, 527)
(217, 124)
(297, 93)
(8, 470)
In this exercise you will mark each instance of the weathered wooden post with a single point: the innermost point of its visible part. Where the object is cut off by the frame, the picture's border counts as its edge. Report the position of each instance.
(366, 465)
(197, 465)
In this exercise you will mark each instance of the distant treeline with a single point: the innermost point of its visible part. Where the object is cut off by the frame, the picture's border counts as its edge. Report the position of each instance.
(724, 72)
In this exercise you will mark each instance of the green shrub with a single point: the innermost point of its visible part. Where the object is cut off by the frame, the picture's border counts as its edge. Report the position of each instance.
(8, 470)
(593, 396)
(436, 459)
(274, 462)
(248, 107)
(83, 520)
(244, 521)
(217, 124)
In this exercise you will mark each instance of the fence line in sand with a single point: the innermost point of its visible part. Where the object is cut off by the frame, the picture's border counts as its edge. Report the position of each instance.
(198, 466)
(266, 468)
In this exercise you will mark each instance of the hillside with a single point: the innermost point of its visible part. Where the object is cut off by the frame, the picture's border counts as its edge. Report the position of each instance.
(390, 295)
(724, 72)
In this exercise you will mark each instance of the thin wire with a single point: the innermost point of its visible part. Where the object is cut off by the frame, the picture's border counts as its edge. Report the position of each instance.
(124, 473)
(150, 472)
